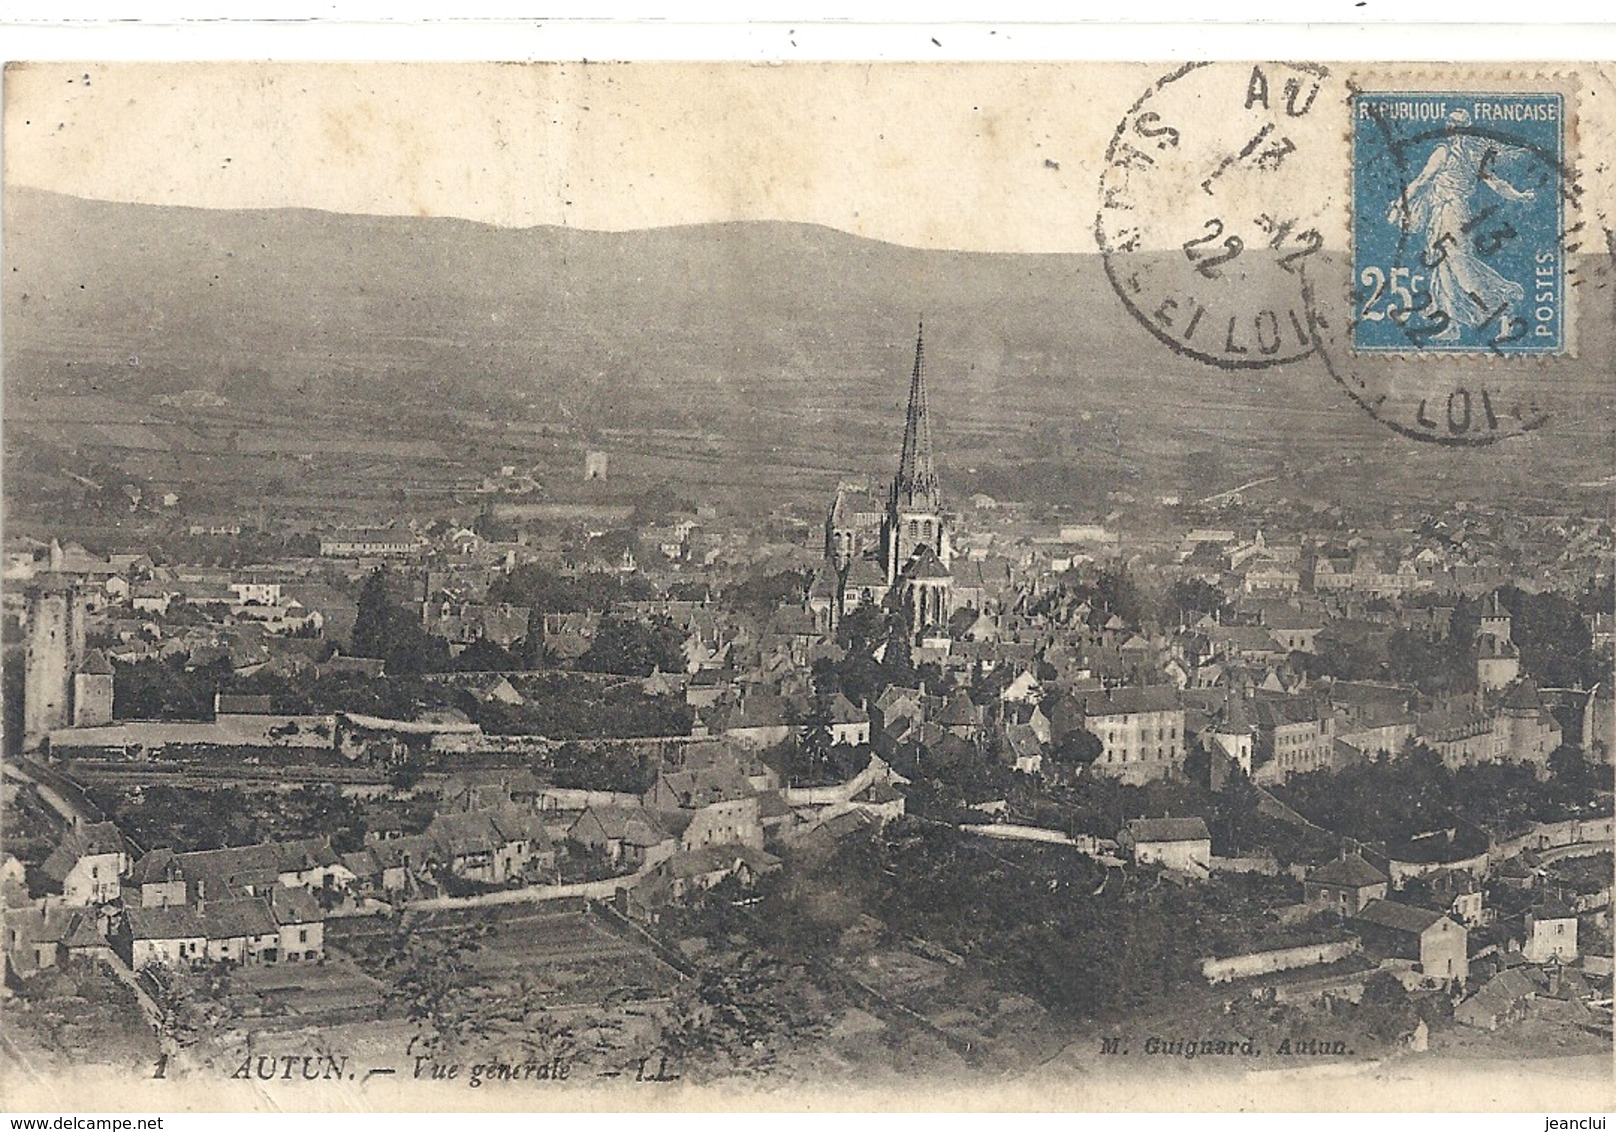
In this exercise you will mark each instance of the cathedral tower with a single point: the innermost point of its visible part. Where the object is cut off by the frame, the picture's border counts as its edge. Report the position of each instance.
(915, 538)
(893, 552)
(914, 507)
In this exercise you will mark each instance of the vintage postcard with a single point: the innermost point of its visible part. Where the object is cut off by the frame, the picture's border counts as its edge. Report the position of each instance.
(1061, 585)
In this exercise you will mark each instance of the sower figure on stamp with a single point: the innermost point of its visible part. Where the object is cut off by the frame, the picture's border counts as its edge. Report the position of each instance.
(1438, 207)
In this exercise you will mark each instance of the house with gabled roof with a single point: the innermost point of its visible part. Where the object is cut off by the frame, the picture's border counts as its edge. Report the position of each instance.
(624, 835)
(366, 868)
(707, 686)
(1435, 944)
(707, 801)
(1502, 999)
(849, 723)
(969, 623)
(1135, 650)
(759, 719)
(661, 683)
(695, 870)
(880, 799)
(403, 863)
(492, 845)
(775, 815)
(152, 597)
(898, 708)
(1460, 894)
(1030, 715)
(1295, 735)
(40, 937)
(959, 715)
(1181, 844)
(89, 863)
(1025, 688)
(1023, 748)
(1345, 885)
(1293, 629)
(250, 870)
(173, 936)
(476, 789)
(698, 784)
(492, 688)
(1551, 933)
(469, 842)
(299, 923)
(1245, 643)
(238, 930)
(735, 821)
(692, 871)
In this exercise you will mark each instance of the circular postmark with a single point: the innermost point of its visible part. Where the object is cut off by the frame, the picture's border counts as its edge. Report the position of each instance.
(1455, 405)
(1221, 181)
(1200, 267)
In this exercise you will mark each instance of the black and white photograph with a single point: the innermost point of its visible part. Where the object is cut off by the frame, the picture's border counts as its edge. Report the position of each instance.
(650, 585)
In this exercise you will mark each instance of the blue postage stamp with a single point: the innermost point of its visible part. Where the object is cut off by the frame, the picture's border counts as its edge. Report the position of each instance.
(1458, 232)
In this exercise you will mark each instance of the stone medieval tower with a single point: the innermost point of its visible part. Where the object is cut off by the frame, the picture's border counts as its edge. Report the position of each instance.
(57, 610)
(1498, 660)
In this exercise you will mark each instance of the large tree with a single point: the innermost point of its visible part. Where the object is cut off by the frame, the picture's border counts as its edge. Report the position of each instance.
(628, 647)
(1556, 646)
(816, 734)
(863, 629)
(373, 625)
(393, 633)
(543, 590)
(167, 689)
(1074, 752)
(762, 595)
(1189, 599)
(1235, 822)
(483, 655)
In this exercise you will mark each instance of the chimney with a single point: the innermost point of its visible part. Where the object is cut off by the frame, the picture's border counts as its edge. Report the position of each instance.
(201, 895)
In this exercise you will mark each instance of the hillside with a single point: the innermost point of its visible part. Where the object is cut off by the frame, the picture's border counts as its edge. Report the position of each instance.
(745, 344)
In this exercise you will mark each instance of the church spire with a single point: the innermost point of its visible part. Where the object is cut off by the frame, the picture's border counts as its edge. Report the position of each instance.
(916, 484)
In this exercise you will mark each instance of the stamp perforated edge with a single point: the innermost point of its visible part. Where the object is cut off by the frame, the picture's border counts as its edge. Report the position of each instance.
(1468, 79)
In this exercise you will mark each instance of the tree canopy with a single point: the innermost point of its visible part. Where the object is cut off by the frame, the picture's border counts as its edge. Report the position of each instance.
(544, 590)
(1556, 646)
(392, 632)
(629, 647)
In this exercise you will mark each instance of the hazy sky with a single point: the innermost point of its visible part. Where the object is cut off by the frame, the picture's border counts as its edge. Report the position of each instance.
(963, 156)
(984, 156)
